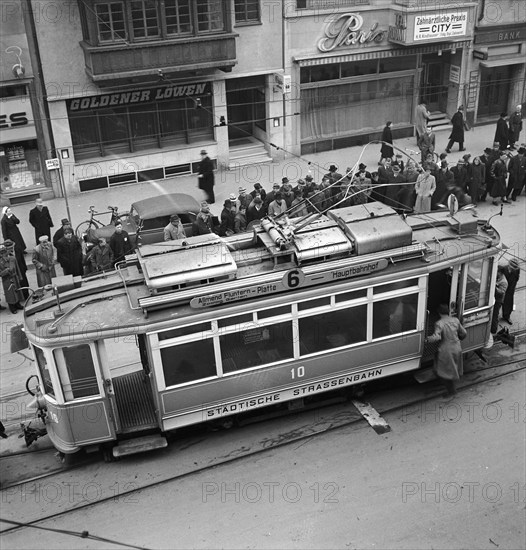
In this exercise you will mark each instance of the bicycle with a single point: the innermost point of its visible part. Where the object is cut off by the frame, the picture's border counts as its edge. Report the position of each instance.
(89, 230)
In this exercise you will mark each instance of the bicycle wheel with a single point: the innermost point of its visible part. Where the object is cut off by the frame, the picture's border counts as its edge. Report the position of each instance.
(85, 229)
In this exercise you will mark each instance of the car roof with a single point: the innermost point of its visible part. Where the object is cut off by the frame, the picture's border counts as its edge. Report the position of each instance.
(164, 205)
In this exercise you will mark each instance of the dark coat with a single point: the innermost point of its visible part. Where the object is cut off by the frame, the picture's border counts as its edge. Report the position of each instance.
(515, 127)
(457, 134)
(517, 170)
(206, 169)
(254, 214)
(478, 180)
(69, 256)
(11, 232)
(501, 133)
(444, 182)
(387, 150)
(120, 245)
(102, 258)
(41, 220)
(10, 278)
(499, 173)
(226, 226)
(512, 276)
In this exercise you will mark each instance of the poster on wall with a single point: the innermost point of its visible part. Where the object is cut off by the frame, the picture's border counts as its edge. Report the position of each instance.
(454, 74)
(440, 25)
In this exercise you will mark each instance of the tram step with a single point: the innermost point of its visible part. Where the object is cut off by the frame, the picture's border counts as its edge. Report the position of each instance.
(140, 445)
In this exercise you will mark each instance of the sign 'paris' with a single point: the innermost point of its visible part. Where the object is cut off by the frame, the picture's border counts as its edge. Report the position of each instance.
(347, 30)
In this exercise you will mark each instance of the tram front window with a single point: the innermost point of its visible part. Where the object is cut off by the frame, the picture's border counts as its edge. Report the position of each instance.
(45, 377)
(77, 371)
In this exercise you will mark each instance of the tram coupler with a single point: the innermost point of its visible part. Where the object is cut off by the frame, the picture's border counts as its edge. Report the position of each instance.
(31, 434)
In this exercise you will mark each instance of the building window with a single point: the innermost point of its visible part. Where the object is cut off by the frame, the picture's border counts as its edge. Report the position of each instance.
(177, 17)
(145, 20)
(209, 15)
(247, 11)
(110, 22)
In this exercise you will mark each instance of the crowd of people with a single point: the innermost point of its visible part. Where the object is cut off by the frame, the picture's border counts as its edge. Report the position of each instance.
(75, 256)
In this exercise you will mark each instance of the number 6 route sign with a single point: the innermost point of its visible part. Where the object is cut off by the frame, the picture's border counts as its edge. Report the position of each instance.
(52, 164)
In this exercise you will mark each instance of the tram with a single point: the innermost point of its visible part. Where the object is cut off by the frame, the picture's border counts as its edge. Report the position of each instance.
(192, 331)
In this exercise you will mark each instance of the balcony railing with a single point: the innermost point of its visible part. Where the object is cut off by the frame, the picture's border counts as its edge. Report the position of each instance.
(108, 63)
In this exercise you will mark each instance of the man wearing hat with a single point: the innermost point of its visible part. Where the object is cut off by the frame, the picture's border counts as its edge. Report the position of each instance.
(69, 253)
(457, 133)
(10, 274)
(276, 188)
(501, 132)
(102, 256)
(256, 210)
(174, 230)
(206, 177)
(44, 261)
(499, 173)
(426, 143)
(445, 182)
(512, 273)
(362, 170)
(203, 223)
(40, 219)
(228, 214)
(243, 199)
(333, 176)
(515, 126)
(258, 190)
(59, 233)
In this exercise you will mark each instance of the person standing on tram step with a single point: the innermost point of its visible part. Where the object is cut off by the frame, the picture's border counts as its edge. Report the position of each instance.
(512, 273)
(386, 150)
(457, 133)
(40, 219)
(448, 360)
(501, 132)
(206, 177)
(501, 286)
(44, 260)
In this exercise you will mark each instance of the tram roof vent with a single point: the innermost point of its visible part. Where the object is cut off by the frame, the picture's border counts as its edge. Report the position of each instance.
(374, 227)
(464, 223)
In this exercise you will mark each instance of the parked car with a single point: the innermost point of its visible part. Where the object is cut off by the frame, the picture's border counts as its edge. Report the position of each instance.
(147, 218)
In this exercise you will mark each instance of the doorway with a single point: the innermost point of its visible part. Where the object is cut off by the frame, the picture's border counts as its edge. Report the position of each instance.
(435, 74)
(246, 109)
(495, 83)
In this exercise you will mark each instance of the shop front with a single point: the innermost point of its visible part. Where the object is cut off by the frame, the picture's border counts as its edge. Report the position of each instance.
(357, 70)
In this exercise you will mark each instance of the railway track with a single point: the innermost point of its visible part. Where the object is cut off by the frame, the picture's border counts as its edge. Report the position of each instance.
(275, 437)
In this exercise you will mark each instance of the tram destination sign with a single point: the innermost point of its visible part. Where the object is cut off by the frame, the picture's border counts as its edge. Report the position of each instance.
(291, 280)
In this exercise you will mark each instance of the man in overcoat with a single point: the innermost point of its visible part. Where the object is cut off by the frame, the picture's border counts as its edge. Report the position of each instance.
(69, 253)
(501, 133)
(40, 219)
(206, 177)
(457, 134)
(43, 258)
(10, 275)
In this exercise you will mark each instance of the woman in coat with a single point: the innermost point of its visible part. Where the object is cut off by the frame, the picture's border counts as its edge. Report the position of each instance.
(478, 179)
(387, 138)
(10, 232)
(424, 188)
(10, 279)
(448, 360)
(499, 173)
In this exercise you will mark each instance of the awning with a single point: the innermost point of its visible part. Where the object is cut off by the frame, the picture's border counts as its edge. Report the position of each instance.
(308, 61)
(502, 62)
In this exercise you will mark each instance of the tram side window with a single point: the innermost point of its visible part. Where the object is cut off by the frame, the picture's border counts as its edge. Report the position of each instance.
(395, 315)
(45, 377)
(333, 330)
(256, 346)
(78, 364)
(188, 362)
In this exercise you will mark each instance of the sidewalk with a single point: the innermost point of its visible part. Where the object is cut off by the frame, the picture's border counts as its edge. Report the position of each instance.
(229, 181)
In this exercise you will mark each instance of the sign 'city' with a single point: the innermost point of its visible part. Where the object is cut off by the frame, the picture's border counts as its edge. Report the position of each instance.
(444, 25)
(346, 30)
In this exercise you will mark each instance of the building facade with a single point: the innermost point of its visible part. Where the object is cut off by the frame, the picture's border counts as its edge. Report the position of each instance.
(137, 88)
(24, 140)
(355, 64)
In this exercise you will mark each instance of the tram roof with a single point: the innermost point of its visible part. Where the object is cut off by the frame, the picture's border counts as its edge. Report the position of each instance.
(180, 280)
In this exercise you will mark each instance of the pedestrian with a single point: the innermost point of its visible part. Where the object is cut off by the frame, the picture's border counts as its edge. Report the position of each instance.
(457, 133)
(256, 211)
(40, 219)
(69, 254)
(385, 172)
(501, 133)
(59, 233)
(422, 115)
(386, 150)
(278, 206)
(445, 180)
(44, 261)
(499, 173)
(392, 190)
(87, 265)
(361, 188)
(501, 286)
(10, 274)
(512, 273)
(240, 220)
(12, 234)
(448, 365)
(258, 190)
(203, 224)
(477, 182)
(426, 143)
(102, 256)
(227, 217)
(298, 208)
(517, 174)
(120, 243)
(174, 230)
(243, 199)
(206, 177)
(515, 126)
(424, 188)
